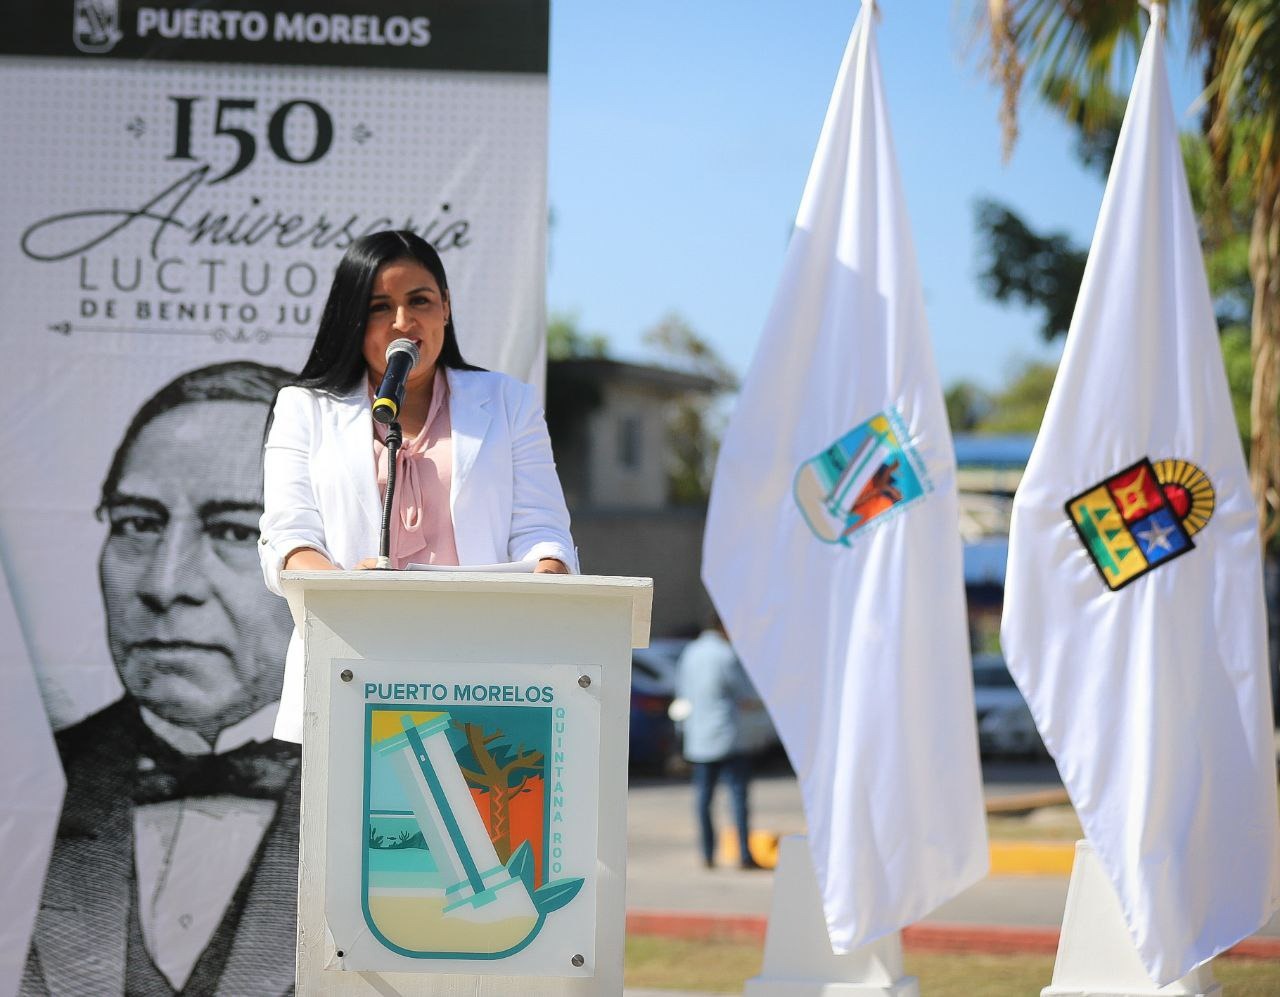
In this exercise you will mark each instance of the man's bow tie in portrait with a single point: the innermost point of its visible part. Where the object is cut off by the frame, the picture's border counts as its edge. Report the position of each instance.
(254, 770)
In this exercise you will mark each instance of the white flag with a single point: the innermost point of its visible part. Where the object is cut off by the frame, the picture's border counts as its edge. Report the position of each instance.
(31, 787)
(1133, 617)
(832, 549)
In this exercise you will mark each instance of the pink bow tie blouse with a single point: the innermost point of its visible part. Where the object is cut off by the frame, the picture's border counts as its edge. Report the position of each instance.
(421, 525)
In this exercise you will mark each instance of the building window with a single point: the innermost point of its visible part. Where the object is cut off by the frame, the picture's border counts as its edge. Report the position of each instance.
(629, 441)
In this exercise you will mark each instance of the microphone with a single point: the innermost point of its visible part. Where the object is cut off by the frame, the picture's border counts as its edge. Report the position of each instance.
(402, 357)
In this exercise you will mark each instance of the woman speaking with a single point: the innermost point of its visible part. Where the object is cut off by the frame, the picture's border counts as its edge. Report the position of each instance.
(475, 482)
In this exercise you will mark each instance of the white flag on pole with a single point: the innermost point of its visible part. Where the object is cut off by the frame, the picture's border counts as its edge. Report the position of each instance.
(31, 787)
(1133, 617)
(832, 548)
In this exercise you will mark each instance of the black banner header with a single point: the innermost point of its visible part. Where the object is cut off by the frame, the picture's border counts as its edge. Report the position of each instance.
(497, 36)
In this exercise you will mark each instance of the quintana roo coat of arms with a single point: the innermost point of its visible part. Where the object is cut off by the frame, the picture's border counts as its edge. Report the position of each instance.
(1142, 517)
(870, 472)
(457, 816)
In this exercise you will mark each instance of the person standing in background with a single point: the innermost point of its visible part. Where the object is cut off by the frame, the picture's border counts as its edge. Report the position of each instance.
(716, 690)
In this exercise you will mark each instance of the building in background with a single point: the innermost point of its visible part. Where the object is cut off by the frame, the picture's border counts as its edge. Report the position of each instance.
(988, 469)
(611, 426)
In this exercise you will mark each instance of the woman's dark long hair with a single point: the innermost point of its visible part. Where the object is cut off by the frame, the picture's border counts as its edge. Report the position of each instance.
(337, 363)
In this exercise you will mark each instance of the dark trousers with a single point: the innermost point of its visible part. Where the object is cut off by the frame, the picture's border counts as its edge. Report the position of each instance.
(737, 772)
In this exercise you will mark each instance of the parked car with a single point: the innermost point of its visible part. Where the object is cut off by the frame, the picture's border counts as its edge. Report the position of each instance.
(653, 686)
(1005, 724)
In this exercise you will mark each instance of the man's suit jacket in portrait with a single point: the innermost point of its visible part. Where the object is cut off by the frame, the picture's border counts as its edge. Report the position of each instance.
(88, 939)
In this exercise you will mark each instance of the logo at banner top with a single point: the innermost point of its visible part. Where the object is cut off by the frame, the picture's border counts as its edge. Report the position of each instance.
(1142, 517)
(95, 25)
(868, 473)
(457, 842)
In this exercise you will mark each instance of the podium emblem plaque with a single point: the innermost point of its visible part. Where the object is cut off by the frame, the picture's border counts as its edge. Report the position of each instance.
(462, 816)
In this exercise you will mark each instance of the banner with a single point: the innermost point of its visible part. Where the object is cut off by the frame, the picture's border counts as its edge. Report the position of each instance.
(832, 550)
(30, 794)
(180, 182)
(1134, 619)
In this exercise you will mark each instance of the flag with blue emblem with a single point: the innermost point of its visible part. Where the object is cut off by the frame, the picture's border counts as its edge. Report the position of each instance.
(1133, 618)
(832, 548)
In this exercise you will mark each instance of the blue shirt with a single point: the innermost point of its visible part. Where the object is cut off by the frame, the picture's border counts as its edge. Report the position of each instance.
(712, 680)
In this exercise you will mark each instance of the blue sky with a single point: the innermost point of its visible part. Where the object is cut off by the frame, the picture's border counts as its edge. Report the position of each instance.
(681, 135)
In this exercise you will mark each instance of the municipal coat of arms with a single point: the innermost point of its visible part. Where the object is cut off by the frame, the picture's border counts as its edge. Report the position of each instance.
(95, 25)
(868, 473)
(1142, 517)
(457, 816)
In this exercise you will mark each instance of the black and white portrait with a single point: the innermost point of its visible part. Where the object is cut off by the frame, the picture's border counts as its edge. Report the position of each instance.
(174, 870)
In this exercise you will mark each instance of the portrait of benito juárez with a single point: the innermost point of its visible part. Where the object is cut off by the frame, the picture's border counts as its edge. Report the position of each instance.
(174, 870)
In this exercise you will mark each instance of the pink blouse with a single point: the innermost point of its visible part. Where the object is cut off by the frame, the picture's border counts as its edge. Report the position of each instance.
(421, 525)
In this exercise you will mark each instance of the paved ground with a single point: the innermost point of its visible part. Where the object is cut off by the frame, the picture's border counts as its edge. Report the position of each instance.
(665, 873)
(633, 992)
(664, 869)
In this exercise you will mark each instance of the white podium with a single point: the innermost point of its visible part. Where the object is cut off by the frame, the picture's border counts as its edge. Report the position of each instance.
(464, 778)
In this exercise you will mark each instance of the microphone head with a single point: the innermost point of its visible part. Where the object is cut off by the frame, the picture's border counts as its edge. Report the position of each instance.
(404, 346)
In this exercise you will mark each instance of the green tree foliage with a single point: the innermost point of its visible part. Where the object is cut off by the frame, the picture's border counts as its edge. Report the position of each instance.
(1019, 406)
(1239, 364)
(679, 344)
(567, 340)
(1020, 265)
(1225, 217)
(1043, 271)
(967, 405)
(1076, 56)
(695, 425)
(1016, 407)
(572, 394)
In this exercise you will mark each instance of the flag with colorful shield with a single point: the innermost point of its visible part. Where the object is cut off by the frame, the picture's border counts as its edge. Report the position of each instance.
(1134, 620)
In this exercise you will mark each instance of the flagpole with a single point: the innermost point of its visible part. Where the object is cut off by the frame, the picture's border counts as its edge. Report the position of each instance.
(1156, 9)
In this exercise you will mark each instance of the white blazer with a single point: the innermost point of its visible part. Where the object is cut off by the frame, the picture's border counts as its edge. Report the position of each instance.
(320, 488)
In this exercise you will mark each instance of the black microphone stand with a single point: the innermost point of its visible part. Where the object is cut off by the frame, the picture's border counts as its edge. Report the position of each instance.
(394, 439)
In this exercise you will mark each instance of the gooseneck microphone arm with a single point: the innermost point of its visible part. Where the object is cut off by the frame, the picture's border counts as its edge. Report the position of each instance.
(394, 439)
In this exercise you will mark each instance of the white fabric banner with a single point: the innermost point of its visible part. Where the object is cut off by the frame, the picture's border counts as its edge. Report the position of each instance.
(179, 184)
(1133, 617)
(31, 786)
(137, 245)
(832, 549)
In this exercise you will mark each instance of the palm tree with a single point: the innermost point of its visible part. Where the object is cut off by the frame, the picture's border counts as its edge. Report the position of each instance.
(498, 773)
(1074, 51)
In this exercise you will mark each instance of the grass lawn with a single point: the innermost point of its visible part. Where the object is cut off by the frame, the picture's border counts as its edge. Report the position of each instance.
(672, 964)
(723, 967)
